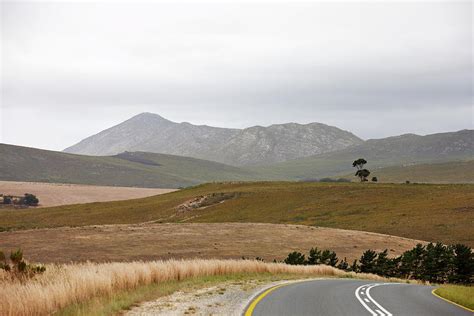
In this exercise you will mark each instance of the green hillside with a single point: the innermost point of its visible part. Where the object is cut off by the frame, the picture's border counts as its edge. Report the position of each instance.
(448, 172)
(421, 211)
(392, 151)
(127, 169)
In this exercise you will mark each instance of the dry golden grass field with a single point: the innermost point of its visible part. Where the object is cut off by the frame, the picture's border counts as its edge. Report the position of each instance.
(55, 194)
(196, 240)
(63, 285)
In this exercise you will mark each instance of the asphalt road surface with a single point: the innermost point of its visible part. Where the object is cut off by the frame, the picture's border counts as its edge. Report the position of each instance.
(351, 297)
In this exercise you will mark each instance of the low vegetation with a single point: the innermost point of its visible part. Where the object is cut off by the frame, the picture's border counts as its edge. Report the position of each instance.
(419, 211)
(434, 263)
(62, 285)
(18, 268)
(153, 241)
(462, 295)
(448, 172)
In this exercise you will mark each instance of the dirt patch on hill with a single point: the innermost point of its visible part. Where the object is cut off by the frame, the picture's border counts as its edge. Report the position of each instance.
(54, 194)
(193, 240)
(204, 201)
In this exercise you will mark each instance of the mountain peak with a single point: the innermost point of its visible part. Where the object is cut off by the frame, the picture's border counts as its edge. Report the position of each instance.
(151, 132)
(149, 116)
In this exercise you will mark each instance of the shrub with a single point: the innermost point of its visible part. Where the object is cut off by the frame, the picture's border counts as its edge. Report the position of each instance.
(367, 261)
(30, 200)
(295, 258)
(7, 199)
(18, 268)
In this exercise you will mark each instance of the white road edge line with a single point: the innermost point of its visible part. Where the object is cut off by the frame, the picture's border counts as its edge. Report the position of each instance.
(376, 312)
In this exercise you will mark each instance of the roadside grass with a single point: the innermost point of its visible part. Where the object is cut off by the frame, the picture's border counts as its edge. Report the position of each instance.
(125, 300)
(107, 287)
(462, 295)
(432, 212)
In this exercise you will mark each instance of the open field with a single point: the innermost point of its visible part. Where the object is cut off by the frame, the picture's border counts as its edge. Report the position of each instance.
(63, 285)
(448, 172)
(216, 240)
(55, 194)
(425, 212)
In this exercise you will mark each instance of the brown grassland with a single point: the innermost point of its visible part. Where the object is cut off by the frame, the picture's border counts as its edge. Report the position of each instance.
(55, 194)
(431, 212)
(193, 240)
(63, 285)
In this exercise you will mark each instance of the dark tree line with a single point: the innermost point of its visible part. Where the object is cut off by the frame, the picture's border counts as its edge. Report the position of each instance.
(28, 199)
(435, 263)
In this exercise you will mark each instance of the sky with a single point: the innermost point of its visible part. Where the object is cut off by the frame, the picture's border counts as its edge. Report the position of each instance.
(71, 69)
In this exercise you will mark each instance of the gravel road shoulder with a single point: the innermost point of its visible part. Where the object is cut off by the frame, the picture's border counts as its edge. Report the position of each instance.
(229, 298)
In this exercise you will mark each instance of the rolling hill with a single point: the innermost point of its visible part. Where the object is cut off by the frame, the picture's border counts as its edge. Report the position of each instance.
(431, 212)
(240, 147)
(446, 172)
(401, 150)
(127, 169)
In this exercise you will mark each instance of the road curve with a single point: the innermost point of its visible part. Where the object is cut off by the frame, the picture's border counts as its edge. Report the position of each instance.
(350, 297)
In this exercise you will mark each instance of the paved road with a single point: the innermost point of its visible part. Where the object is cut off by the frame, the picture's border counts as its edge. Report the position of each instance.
(351, 297)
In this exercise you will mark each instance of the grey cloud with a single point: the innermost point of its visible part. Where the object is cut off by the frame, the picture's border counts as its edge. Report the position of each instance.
(236, 65)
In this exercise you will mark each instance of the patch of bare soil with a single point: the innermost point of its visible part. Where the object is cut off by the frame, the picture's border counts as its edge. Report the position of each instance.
(203, 201)
(54, 194)
(193, 240)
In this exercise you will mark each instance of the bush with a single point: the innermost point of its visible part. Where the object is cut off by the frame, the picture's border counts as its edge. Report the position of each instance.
(30, 199)
(295, 258)
(18, 268)
(7, 199)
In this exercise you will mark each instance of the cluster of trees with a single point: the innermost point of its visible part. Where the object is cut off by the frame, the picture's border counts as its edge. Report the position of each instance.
(435, 263)
(28, 199)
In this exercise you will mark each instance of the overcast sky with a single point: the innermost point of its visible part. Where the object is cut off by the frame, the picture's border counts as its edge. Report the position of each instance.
(70, 70)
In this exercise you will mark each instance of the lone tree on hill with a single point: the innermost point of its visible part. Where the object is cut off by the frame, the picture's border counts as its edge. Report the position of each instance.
(361, 172)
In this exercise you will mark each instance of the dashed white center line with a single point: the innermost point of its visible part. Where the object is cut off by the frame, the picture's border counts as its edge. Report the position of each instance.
(371, 305)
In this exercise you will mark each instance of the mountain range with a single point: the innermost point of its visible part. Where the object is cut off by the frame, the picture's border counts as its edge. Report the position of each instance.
(137, 153)
(255, 145)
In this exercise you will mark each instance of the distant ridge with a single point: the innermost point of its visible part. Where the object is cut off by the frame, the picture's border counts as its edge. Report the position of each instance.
(128, 169)
(400, 150)
(240, 147)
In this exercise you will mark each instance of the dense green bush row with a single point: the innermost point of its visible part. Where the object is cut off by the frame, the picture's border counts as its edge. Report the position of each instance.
(436, 263)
